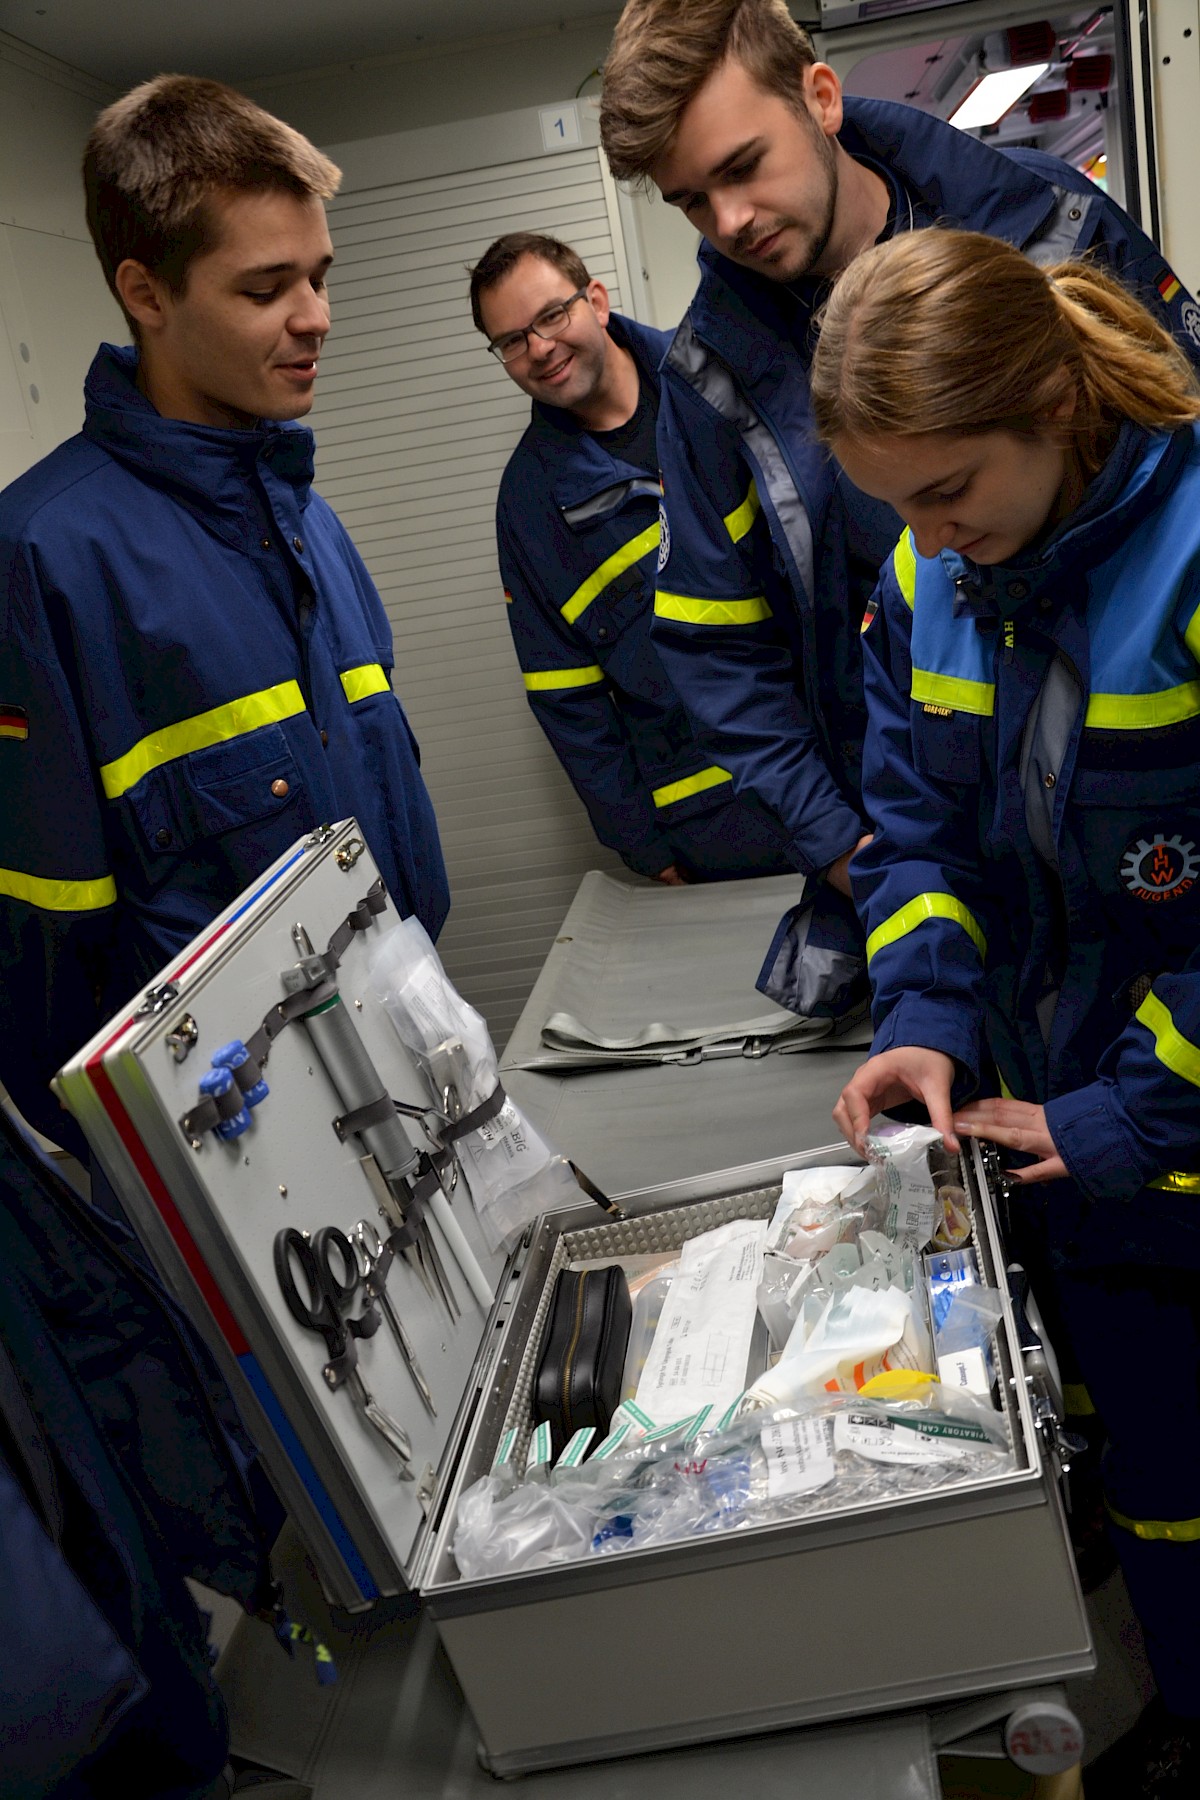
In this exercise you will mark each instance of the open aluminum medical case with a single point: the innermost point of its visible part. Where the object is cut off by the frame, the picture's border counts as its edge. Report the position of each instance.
(965, 1590)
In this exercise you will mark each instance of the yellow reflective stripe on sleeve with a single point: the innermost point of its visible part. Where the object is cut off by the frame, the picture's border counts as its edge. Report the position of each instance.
(59, 896)
(1177, 1181)
(1172, 1531)
(904, 561)
(691, 784)
(955, 692)
(689, 609)
(1077, 1400)
(916, 912)
(234, 719)
(546, 680)
(615, 565)
(1172, 1049)
(1191, 636)
(1142, 712)
(741, 519)
(368, 679)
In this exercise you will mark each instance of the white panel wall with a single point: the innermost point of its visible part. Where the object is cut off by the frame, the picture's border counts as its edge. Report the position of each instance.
(414, 425)
(54, 305)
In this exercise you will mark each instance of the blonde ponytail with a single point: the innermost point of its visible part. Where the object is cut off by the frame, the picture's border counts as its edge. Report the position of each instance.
(953, 331)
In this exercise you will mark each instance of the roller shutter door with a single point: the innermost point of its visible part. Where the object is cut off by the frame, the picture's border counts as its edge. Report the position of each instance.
(414, 425)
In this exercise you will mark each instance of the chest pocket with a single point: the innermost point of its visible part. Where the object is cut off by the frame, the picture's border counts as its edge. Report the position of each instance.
(625, 604)
(947, 744)
(246, 781)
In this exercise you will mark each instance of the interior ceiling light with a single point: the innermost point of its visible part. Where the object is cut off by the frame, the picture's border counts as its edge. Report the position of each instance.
(994, 95)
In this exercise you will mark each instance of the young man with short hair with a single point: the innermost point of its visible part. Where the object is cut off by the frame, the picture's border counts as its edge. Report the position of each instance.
(723, 105)
(194, 662)
(577, 525)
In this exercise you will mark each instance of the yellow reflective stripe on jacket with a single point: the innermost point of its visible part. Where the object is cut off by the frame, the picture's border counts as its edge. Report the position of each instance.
(614, 565)
(691, 784)
(369, 678)
(1142, 712)
(689, 609)
(904, 562)
(1177, 1181)
(1172, 1531)
(740, 520)
(956, 692)
(59, 896)
(1077, 1400)
(916, 912)
(234, 719)
(546, 680)
(1178, 1053)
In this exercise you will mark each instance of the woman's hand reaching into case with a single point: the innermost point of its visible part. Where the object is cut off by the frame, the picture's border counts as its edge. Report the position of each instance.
(909, 1073)
(1017, 1125)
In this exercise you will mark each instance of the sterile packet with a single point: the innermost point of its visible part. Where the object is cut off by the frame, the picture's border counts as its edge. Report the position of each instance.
(900, 1152)
(513, 1175)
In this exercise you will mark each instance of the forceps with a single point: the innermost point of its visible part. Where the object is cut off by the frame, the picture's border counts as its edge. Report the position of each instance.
(369, 1251)
(330, 1292)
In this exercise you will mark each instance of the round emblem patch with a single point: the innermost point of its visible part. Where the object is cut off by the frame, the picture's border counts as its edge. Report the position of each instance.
(664, 538)
(1161, 868)
(1189, 318)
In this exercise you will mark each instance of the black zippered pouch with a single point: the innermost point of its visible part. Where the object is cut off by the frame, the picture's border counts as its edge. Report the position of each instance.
(578, 1379)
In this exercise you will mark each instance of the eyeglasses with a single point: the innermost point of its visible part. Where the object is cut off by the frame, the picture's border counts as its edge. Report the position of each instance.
(551, 322)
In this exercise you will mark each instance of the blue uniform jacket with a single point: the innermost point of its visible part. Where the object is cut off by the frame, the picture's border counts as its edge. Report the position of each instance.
(123, 1470)
(1032, 771)
(194, 671)
(578, 536)
(772, 555)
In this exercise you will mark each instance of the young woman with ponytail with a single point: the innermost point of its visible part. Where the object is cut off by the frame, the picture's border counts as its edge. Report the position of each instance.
(1031, 895)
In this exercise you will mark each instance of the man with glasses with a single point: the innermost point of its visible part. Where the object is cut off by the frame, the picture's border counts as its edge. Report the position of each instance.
(578, 530)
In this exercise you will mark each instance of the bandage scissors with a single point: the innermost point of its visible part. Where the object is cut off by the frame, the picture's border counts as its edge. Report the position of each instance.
(326, 1311)
(373, 1263)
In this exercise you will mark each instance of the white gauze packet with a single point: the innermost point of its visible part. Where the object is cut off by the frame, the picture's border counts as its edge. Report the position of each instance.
(701, 1347)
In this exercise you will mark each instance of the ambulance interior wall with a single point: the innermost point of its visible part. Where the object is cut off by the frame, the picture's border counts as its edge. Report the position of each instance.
(54, 305)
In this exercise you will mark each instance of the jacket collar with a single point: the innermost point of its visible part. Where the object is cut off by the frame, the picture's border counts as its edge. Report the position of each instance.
(581, 467)
(949, 176)
(1142, 467)
(207, 469)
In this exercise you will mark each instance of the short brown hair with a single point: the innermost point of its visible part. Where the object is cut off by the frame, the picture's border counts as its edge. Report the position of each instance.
(502, 257)
(157, 156)
(663, 51)
(952, 331)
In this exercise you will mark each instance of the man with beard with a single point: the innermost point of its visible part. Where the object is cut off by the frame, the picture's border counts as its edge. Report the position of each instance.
(769, 555)
(578, 535)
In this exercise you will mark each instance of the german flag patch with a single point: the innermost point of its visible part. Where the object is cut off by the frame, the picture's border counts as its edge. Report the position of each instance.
(14, 722)
(507, 597)
(868, 617)
(1169, 286)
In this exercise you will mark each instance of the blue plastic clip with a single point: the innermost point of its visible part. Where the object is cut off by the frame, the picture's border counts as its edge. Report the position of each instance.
(235, 1056)
(215, 1083)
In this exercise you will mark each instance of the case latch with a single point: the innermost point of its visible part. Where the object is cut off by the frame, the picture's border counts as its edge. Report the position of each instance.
(157, 1000)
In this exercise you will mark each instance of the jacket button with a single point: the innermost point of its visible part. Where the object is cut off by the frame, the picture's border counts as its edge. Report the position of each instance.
(298, 546)
(603, 632)
(1076, 212)
(1049, 780)
(162, 837)
(279, 788)
(324, 740)
(264, 543)
(1018, 589)
(1045, 603)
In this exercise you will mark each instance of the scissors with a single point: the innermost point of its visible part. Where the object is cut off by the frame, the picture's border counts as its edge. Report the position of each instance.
(373, 1259)
(326, 1311)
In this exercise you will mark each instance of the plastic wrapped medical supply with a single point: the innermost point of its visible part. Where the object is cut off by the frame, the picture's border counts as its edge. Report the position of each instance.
(760, 1469)
(965, 1315)
(860, 1332)
(513, 1174)
(901, 1152)
(700, 1351)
